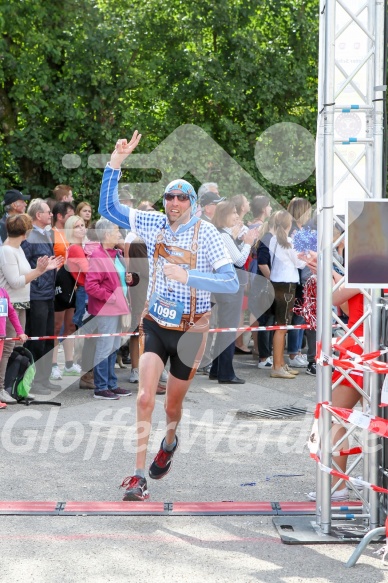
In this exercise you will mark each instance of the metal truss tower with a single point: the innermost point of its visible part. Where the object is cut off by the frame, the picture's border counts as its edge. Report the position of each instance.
(350, 165)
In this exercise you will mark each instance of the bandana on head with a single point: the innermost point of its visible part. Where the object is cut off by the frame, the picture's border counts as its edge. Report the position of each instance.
(186, 188)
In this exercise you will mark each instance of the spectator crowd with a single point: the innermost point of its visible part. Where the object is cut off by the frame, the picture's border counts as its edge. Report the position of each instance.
(65, 272)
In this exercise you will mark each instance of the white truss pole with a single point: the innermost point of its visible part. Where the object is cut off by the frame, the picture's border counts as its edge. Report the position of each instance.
(325, 230)
(379, 91)
(320, 149)
(349, 165)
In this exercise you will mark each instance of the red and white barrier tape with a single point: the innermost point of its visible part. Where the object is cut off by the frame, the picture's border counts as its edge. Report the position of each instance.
(371, 423)
(360, 362)
(365, 421)
(356, 481)
(351, 451)
(247, 329)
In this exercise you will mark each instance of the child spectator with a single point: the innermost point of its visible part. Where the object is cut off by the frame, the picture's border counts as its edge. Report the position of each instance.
(8, 311)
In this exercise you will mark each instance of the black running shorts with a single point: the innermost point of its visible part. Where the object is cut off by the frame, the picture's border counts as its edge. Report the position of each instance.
(184, 349)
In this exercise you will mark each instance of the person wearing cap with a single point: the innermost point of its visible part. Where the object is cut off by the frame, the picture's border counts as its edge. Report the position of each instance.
(15, 203)
(187, 260)
(208, 202)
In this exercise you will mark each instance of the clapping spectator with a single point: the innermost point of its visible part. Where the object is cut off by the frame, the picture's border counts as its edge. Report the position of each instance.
(16, 275)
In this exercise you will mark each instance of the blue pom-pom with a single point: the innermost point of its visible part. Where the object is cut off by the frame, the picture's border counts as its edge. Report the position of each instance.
(305, 240)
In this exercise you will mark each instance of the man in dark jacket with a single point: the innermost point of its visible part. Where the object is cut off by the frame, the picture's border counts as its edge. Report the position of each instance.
(40, 316)
(14, 204)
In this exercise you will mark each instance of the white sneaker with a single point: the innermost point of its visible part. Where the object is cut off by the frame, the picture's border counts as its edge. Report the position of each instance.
(5, 397)
(336, 496)
(134, 375)
(297, 362)
(265, 363)
(163, 378)
(56, 374)
(72, 371)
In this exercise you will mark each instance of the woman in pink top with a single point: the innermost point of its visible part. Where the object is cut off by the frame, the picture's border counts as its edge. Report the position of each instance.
(8, 311)
(106, 285)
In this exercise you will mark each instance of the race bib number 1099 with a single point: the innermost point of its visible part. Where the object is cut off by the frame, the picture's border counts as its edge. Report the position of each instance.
(165, 312)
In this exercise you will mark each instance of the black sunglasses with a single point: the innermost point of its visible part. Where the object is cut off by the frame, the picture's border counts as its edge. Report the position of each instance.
(180, 197)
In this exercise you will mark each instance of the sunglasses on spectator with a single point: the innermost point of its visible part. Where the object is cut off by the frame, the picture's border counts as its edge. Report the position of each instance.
(180, 197)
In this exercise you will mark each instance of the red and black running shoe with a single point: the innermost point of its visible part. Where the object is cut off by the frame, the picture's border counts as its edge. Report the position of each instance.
(162, 462)
(136, 489)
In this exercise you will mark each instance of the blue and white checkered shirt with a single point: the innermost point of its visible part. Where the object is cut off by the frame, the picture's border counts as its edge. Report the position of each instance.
(211, 253)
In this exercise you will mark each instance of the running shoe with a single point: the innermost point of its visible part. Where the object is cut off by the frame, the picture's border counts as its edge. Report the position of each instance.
(297, 362)
(135, 489)
(336, 496)
(73, 371)
(5, 397)
(311, 369)
(56, 374)
(204, 369)
(134, 375)
(162, 462)
(106, 395)
(267, 363)
(121, 392)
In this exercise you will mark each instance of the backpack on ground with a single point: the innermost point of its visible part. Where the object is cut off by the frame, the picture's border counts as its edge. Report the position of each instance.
(20, 373)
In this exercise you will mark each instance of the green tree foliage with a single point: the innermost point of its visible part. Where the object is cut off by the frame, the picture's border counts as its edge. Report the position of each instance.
(77, 74)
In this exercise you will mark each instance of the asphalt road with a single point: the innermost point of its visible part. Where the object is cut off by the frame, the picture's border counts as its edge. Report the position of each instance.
(82, 450)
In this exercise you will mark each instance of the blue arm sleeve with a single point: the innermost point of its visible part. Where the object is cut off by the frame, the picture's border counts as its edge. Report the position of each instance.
(109, 206)
(223, 281)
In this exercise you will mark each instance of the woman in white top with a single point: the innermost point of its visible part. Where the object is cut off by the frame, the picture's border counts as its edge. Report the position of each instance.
(284, 277)
(15, 277)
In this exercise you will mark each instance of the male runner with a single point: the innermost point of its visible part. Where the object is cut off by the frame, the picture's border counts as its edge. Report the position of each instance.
(187, 260)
